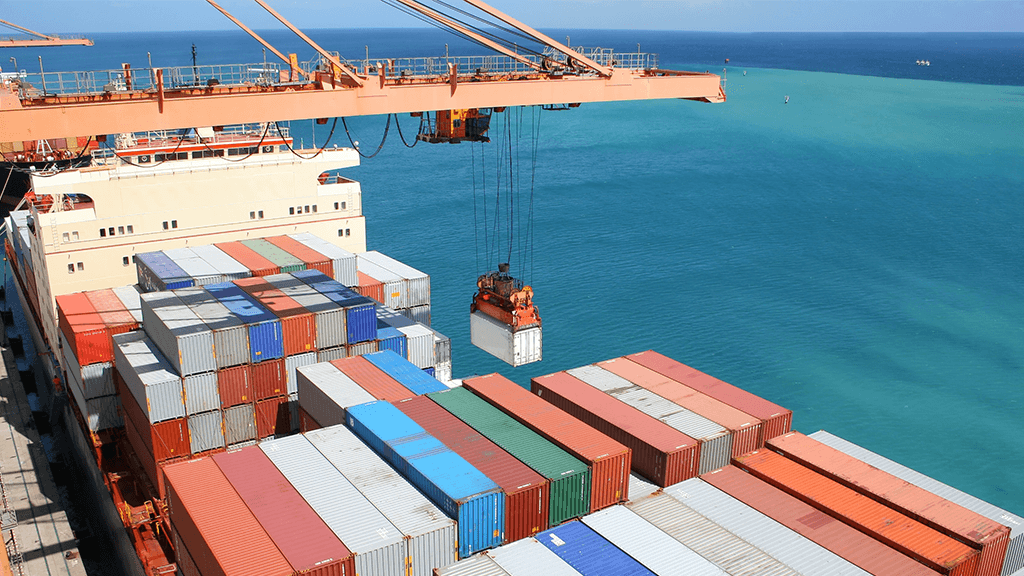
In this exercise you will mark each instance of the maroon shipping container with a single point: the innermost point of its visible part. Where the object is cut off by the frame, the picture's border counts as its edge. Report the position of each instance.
(273, 417)
(163, 441)
(661, 453)
(776, 419)
(930, 547)
(304, 539)
(846, 542)
(152, 468)
(84, 329)
(953, 520)
(258, 265)
(268, 379)
(306, 422)
(372, 379)
(310, 257)
(746, 430)
(609, 460)
(182, 558)
(221, 534)
(526, 492)
(233, 384)
(298, 325)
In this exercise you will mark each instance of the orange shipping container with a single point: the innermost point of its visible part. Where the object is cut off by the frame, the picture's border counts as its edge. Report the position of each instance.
(258, 265)
(371, 288)
(372, 379)
(298, 325)
(311, 258)
(930, 547)
(953, 520)
(84, 329)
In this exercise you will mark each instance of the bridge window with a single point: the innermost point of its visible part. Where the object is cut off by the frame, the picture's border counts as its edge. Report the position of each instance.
(314, 208)
(174, 223)
(131, 229)
(81, 266)
(125, 261)
(291, 210)
(120, 229)
(165, 224)
(103, 232)
(74, 234)
(110, 230)
(71, 268)
(261, 214)
(66, 237)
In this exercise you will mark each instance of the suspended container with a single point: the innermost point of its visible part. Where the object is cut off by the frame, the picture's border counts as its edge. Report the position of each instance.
(229, 268)
(515, 348)
(230, 334)
(417, 283)
(157, 272)
(342, 261)
(264, 328)
(503, 320)
(404, 372)
(329, 315)
(325, 393)
(185, 340)
(199, 270)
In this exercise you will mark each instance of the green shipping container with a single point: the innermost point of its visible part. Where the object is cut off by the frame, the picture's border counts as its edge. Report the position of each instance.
(568, 476)
(284, 260)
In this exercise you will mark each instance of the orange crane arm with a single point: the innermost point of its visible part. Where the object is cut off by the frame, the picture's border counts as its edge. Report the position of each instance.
(42, 40)
(259, 39)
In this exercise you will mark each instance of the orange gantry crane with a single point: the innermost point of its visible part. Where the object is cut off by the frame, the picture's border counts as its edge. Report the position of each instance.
(39, 40)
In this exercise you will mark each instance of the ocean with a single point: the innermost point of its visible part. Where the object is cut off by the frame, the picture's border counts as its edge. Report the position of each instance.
(854, 254)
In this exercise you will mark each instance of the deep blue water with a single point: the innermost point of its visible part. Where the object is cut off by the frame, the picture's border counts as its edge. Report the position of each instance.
(854, 255)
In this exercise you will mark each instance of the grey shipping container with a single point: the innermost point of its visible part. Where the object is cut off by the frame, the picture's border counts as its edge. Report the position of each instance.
(442, 348)
(329, 316)
(396, 291)
(419, 345)
(343, 261)
(201, 271)
(1014, 561)
(480, 565)
(130, 297)
(779, 542)
(640, 487)
(149, 377)
(418, 314)
(362, 348)
(239, 424)
(184, 339)
(325, 392)
(292, 363)
(737, 556)
(229, 268)
(293, 411)
(96, 379)
(528, 557)
(206, 431)
(443, 371)
(230, 334)
(201, 393)
(715, 440)
(656, 550)
(378, 545)
(328, 354)
(417, 283)
(100, 413)
(430, 535)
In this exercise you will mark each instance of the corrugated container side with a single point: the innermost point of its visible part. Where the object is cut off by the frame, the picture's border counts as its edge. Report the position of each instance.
(404, 372)
(268, 379)
(163, 441)
(660, 453)
(371, 287)
(526, 492)
(473, 566)
(372, 379)
(201, 393)
(312, 259)
(420, 314)
(230, 334)
(199, 270)
(227, 266)
(298, 326)
(265, 339)
(735, 555)
(528, 557)
(272, 417)
(325, 393)
(609, 461)
(497, 339)
(328, 354)
(443, 372)
(417, 283)
(239, 424)
(99, 413)
(206, 431)
(302, 536)
(360, 312)
(96, 379)
(292, 363)
(391, 339)
(329, 315)
(112, 311)
(282, 259)
(845, 541)
(775, 419)
(234, 386)
(429, 534)
(588, 553)
(184, 339)
(149, 376)
(938, 552)
(746, 430)
(186, 565)
(420, 344)
(361, 348)
(257, 265)
(640, 487)
(307, 422)
(442, 348)
(458, 488)
(343, 261)
(84, 329)
(157, 272)
(972, 529)
(293, 411)
(130, 298)
(145, 459)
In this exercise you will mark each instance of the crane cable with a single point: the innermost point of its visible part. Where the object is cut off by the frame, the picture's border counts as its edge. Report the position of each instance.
(387, 128)
(319, 151)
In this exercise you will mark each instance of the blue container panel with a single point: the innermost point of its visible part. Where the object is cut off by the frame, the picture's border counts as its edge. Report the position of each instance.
(589, 553)
(265, 341)
(311, 276)
(361, 321)
(407, 373)
(172, 275)
(392, 339)
(430, 371)
(360, 311)
(241, 304)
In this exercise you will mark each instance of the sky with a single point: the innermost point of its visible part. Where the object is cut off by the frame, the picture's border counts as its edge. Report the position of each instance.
(85, 16)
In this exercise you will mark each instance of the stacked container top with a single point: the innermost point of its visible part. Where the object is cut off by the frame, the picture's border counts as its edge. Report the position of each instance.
(372, 379)
(265, 338)
(199, 270)
(158, 272)
(184, 339)
(115, 315)
(529, 557)
(776, 419)
(343, 261)
(403, 371)
(297, 324)
(325, 393)
(229, 268)
(396, 291)
(282, 259)
(130, 297)
(588, 553)
(149, 377)
(258, 265)
(211, 519)
(330, 316)
(84, 329)
(417, 283)
(569, 478)
(230, 334)
(360, 314)
(310, 258)
(609, 461)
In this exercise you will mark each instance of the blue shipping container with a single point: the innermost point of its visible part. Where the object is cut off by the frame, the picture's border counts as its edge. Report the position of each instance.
(157, 272)
(430, 371)
(454, 485)
(265, 339)
(360, 311)
(392, 339)
(589, 553)
(407, 373)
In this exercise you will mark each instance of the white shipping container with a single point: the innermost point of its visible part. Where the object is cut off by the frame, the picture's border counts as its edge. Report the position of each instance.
(230, 334)
(640, 488)
(328, 354)
(201, 271)
(99, 413)
(419, 345)
(378, 545)
(417, 283)
(528, 557)
(442, 347)
(430, 535)
(228, 267)
(418, 314)
(498, 340)
(326, 392)
(130, 297)
(185, 340)
(343, 261)
(480, 565)
(443, 372)
(292, 363)
(149, 377)
(206, 431)
(239, 424)
(396, 292)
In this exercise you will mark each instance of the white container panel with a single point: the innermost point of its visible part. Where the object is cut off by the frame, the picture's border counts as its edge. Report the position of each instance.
(328, 354)
(528, 557)
(343, 261)
(206, 431)
(227, 266)
(442, 347)
(239, 424)
(130, 297)
(183, 338)
(230, 334)
(201, 393)
(201, 271)
(419, 345)
(362, 348)
(480, 565)
(417, 283)
(392, 318)
(418, 314)
(292, 363)
(149, 377)
(396, 293)
(443, 372)
(640, 487)
(325, 393)
(498, 340)
(99, 413)
(96, 379)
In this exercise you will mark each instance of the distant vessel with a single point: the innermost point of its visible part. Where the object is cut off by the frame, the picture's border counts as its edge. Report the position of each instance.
(924, 62)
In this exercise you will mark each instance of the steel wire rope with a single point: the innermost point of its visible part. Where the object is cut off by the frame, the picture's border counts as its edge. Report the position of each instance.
(499, 165)
(387, 128)
(402, 136)
(490, 23)
(530, 226)
(4, 190)
(181, 140)
(258, 144)
(476, 217)
(510, 214)
(318, 152)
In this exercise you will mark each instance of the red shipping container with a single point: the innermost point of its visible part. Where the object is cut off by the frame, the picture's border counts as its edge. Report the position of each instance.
(298, 325)
(661, 453)
(310, 257)
(775, 419)
(152, 468)
(84, 329)
(370, 287)
(221, 534)
(526, 492)
(746, 430)
(304, 539)
(258, 265)
(608, 459)
(182, 558)
(268, 379)
(856, 547)
(306, 422)
(115, 316)
(273, 417)
(163, 441)
(930, 547)
(953, 520)
(372, 379)
(233, 384)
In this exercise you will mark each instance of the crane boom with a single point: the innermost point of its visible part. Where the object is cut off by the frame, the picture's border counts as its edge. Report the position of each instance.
(40, 40)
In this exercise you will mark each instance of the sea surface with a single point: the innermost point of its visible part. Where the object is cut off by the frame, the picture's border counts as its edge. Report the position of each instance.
(855, 255)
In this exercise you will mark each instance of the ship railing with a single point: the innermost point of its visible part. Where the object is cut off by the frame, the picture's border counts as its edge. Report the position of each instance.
(122, 142)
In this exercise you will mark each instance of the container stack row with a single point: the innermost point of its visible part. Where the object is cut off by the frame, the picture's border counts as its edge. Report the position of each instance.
(395, 285)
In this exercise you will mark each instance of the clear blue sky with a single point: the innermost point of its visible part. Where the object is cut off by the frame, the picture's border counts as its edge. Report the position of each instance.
(67, 16)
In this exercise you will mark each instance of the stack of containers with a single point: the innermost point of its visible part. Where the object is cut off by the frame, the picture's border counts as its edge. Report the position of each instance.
(187, 343)
(460, 490)
(775, 419)
(568, 478)
(258, 265)
(480, 565)
(324, 394)
(1014, 561)
(157, 272)
(311, 259)
(395, 289)
(609, 461)
(417, 284)
(360, 312)
(200, 271)
(526, 557)
(132, 301)
(926, 545)
(284, 261)
(660, 453)
(370, 287)
(343, 262)
(588, 553)
(420, 339)
(989, 538)
(847, 542)
(714, 440)
(526, 492)
(229, 268)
